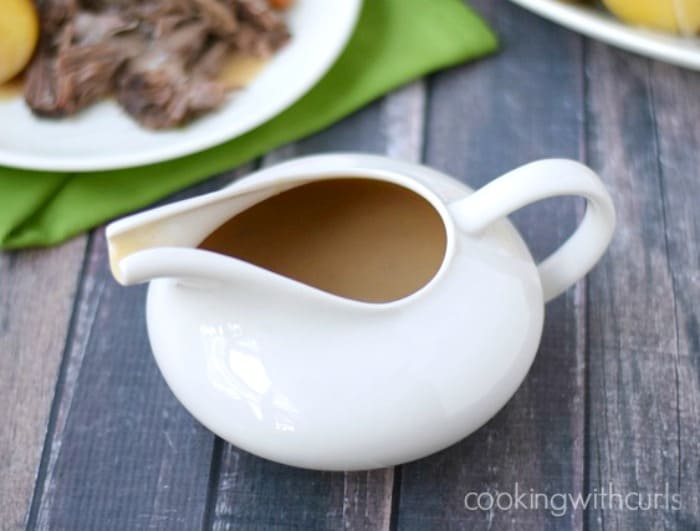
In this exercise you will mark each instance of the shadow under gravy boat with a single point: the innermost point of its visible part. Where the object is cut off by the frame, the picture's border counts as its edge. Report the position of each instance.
(312, 379)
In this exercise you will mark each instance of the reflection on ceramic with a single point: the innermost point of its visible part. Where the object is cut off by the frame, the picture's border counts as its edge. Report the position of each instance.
(311, 379)
(104, 137)
(598, 24)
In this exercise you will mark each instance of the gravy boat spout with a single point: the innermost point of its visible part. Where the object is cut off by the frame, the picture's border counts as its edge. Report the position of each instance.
(162, 242)
(216, 273)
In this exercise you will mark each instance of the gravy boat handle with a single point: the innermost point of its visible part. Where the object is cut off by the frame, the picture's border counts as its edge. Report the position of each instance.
(541, 180)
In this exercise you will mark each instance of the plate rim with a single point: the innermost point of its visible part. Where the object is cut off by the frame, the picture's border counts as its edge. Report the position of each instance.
(201, 142)
(592, 23)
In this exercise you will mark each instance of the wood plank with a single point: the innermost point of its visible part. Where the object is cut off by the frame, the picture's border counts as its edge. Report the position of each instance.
(122, 453)
(643, 344)
(677, 110)
(256, 494)
(37, 289)
(483, 120)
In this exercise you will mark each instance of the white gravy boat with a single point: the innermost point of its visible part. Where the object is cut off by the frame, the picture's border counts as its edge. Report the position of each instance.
(311, 379)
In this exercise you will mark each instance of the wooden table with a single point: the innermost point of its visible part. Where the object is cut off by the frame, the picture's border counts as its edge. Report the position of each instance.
(92, 439)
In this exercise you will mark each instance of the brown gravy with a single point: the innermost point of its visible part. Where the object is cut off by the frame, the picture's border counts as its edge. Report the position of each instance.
(359, 238)
(240, 70)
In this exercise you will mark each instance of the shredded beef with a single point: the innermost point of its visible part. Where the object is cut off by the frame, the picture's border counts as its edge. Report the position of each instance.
(159, 58)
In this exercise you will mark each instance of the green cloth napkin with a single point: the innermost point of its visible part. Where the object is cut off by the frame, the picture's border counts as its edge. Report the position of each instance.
(395, 41)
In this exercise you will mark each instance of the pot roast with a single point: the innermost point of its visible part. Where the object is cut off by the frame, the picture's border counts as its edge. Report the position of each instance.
(160, 59)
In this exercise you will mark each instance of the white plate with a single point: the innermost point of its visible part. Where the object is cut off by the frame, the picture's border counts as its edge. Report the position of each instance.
(104, 137)
(596, 23)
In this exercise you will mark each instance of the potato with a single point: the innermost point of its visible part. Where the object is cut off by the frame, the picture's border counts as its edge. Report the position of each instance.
(688, 15)
(19, 33)
(677, 16)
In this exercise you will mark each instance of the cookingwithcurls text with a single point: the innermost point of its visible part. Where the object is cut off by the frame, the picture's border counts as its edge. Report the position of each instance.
(607, 497)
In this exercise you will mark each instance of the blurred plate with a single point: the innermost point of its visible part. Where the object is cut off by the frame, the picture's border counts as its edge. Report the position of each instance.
(104, 137)
(598, 24)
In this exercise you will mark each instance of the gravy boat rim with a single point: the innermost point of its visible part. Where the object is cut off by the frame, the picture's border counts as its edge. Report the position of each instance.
(296, 173)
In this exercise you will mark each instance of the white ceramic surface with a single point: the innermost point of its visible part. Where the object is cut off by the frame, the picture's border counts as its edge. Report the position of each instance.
(311, 379)
(104, 137)
(598, 24)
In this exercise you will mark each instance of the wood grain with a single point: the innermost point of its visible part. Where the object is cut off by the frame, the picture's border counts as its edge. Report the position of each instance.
(37, 289)
(122, 453)
(485, 119)
(256, 494)
(677, 112)
(643, 343)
